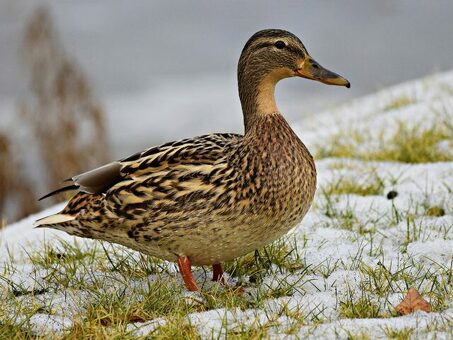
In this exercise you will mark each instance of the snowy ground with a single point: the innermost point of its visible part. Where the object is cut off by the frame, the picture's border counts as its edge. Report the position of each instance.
(349, 263)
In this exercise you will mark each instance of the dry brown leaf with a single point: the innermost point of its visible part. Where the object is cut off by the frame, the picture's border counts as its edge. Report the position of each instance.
(413, 302)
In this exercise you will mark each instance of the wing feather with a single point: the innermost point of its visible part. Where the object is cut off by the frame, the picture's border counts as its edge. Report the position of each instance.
(184, 156)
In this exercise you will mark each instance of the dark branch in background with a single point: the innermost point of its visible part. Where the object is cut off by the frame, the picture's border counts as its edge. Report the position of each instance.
(65, 119)
(16, 192)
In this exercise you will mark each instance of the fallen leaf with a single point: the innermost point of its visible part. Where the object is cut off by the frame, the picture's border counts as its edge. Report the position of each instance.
(413, 302)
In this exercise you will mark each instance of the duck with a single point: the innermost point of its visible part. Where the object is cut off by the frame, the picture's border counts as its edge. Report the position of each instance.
(209, 199)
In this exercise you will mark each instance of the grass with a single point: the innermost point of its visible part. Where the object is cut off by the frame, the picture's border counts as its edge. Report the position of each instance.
(177, 329)
(124, 287)
(378, 283)
(254, 332)
(119, 307)
(398, 103)
(258, 264)
(363, 308)
(369, 185)
(136, 297)
(417, 144)
(357, 336)
(13, 330)
(402, 334)
(435, 211)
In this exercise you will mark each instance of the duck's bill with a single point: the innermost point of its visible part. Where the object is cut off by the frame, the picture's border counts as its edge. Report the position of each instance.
(310, 69)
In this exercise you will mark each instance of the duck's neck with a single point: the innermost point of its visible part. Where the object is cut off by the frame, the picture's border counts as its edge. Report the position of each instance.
(256, 91)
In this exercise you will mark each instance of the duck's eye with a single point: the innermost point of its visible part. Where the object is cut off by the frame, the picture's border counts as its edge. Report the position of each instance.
(280, 44)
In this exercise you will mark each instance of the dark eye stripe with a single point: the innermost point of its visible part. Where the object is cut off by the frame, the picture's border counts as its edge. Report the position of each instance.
(263, 44)
(288, 47)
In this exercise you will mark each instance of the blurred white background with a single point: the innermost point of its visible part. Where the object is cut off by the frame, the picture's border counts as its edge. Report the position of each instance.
(167, 69)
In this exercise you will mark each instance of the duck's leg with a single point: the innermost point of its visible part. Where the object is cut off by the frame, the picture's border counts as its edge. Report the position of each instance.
(218, 274)
(218, 277)
(186, 273)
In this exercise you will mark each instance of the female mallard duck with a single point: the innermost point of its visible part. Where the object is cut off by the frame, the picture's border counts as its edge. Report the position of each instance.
(209, 199)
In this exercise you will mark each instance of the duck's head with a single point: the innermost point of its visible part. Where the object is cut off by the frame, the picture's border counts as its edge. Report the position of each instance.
(280, 54)
(269, 56)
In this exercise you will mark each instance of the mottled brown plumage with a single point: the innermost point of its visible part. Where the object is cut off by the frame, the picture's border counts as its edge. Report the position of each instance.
(212, 198)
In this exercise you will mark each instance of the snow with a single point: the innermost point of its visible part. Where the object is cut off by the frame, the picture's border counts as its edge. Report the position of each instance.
(21, 234)
(333, 255)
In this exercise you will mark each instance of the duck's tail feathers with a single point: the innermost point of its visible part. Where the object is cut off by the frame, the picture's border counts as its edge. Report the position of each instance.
(53, 219)
(66, 188)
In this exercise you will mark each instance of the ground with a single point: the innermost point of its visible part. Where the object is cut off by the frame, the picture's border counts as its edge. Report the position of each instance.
(381, 223)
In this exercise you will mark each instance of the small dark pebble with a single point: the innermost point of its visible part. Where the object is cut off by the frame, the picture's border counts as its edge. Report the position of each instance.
(392, 194)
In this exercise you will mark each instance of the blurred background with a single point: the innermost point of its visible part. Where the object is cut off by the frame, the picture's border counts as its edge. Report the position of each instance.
(86, 82)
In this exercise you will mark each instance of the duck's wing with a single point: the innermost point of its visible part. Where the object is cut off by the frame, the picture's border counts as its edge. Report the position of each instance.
(202, 150)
